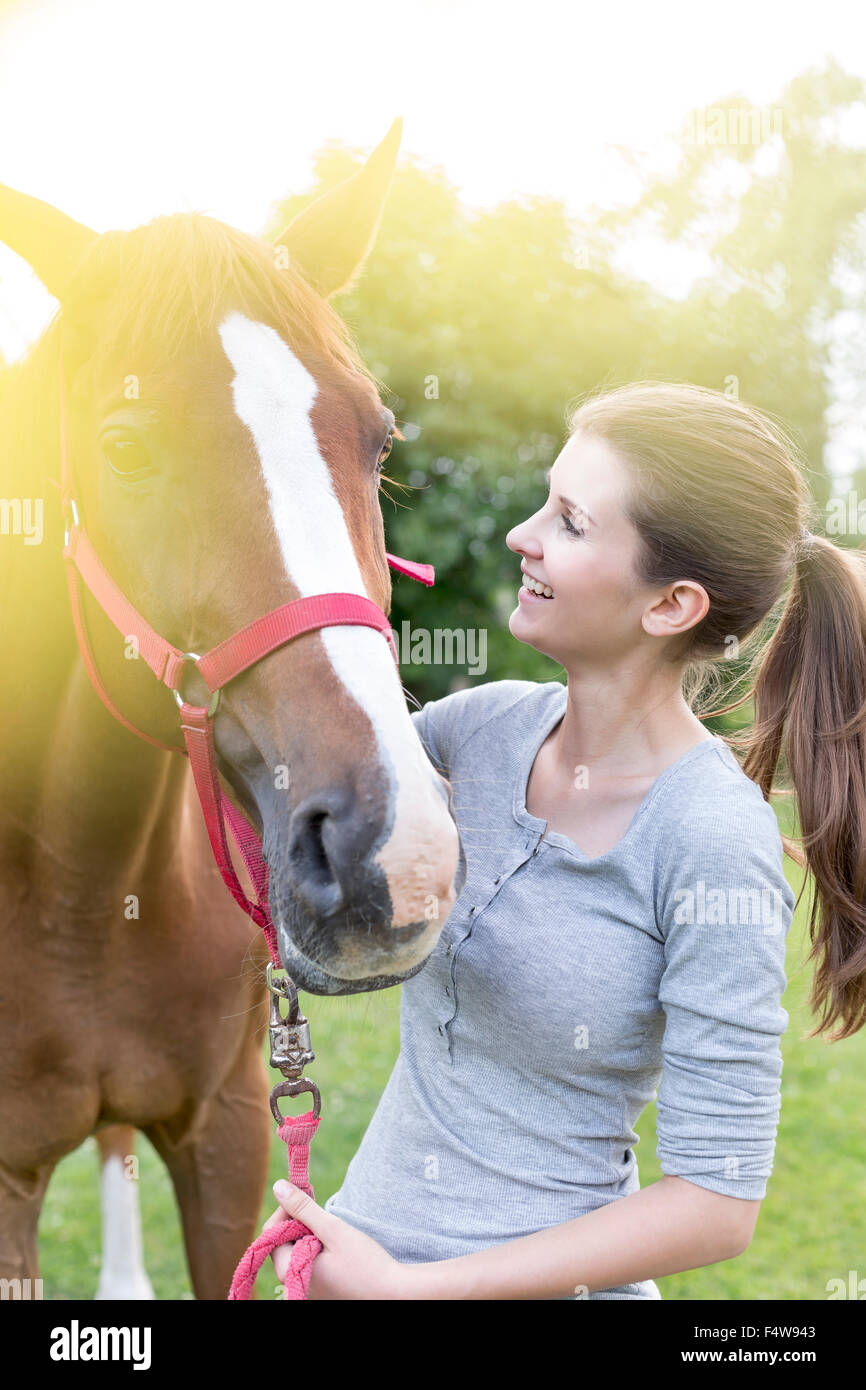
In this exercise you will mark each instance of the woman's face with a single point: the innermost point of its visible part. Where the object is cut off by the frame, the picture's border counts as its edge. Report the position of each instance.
(581, 545)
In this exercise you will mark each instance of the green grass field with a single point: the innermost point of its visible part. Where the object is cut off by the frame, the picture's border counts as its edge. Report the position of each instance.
(812, 1225)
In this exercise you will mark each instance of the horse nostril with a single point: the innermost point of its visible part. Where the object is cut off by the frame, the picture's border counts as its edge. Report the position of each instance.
(314, 868)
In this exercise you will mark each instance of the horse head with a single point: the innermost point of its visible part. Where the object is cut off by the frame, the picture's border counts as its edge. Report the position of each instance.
(227, 444)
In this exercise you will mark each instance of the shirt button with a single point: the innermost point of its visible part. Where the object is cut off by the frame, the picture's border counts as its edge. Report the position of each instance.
(441, 1029)
(472, 910)
(497, 878)
(447, 991)
(448, 952)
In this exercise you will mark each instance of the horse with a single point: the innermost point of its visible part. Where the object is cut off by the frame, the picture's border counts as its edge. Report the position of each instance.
(227, 442)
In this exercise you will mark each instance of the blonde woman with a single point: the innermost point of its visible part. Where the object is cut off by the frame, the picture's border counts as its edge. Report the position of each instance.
(622, 927)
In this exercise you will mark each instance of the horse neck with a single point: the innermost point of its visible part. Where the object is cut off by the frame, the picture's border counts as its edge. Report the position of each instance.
(68, 770)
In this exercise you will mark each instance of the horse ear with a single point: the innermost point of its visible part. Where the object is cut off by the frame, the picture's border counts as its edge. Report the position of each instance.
(332, 237)
(52, 243)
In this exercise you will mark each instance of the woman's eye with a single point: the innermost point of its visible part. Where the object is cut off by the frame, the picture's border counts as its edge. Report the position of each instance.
(126, 457)
(572, 530)
(385, 451)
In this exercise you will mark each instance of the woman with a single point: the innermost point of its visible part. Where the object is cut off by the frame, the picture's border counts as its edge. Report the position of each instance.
(623, 922)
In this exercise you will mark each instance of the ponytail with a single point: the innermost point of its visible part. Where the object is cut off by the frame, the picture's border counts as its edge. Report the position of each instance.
(811, 693)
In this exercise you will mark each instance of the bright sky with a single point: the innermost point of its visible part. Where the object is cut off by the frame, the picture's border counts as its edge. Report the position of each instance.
(118, 110)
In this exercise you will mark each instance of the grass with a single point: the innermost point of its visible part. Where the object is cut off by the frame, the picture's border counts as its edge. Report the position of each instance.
(811, 1228)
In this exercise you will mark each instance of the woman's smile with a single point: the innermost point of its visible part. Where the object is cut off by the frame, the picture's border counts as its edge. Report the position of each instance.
(527, 595)
(532, 589)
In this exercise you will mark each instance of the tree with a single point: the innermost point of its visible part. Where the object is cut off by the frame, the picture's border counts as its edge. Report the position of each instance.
(484, 326)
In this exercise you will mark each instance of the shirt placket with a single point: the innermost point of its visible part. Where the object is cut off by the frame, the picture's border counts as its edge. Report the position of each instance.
(484, 897)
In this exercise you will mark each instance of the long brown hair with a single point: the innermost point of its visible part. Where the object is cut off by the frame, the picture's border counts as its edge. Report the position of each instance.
(718, 495)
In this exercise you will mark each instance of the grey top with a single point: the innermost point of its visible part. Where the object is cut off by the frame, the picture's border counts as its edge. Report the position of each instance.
(564, 990)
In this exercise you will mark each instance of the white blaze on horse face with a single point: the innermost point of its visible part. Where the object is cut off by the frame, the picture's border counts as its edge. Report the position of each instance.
(273, 395)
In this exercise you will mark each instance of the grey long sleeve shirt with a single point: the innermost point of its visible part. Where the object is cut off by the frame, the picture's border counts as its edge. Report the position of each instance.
(565, 991)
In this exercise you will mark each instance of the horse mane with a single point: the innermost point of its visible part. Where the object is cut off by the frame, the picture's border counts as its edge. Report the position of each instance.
(158, 291)
(169, 283)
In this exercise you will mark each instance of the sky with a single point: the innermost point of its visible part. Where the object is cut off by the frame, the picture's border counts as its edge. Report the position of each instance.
(118, 111)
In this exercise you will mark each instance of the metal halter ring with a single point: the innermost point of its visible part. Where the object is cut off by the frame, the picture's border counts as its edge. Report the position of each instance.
(67, 529)
(283, 988)
(215, 696)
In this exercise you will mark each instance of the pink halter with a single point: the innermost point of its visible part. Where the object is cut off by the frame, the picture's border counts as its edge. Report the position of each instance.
(217, 667)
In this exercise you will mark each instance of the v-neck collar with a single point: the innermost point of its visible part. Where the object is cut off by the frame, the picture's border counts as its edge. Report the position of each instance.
(553, 714)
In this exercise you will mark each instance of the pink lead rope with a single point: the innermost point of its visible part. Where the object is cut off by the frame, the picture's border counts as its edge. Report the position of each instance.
(296, 1131)
(217, 667)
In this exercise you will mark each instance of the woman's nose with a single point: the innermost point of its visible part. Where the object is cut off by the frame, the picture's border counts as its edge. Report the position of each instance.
(519, 538)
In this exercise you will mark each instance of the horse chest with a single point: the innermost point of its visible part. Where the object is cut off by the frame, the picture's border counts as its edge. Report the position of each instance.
(130, 1022)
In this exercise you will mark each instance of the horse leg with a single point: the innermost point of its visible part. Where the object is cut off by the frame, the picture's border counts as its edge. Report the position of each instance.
(122, 1274)
(219, 1168)
(21, 1197)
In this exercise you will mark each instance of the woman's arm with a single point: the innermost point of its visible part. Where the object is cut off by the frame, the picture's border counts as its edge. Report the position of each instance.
(665, 1228)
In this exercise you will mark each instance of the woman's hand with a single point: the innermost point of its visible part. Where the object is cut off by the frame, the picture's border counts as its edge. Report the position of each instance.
(350, 1264)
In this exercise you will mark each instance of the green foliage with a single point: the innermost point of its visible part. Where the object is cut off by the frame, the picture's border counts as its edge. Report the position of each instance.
(484, 326)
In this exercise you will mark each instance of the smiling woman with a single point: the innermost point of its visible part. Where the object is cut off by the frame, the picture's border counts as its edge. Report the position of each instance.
(678, 558)
(625, 899)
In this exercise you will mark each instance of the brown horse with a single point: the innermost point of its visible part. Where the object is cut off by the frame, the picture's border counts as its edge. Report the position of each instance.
(227, 443)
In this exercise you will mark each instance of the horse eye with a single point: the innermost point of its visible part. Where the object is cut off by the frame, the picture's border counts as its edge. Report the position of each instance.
(126, 457)
(386, 449)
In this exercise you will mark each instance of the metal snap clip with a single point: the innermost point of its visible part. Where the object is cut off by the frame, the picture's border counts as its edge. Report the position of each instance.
(67, 527)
